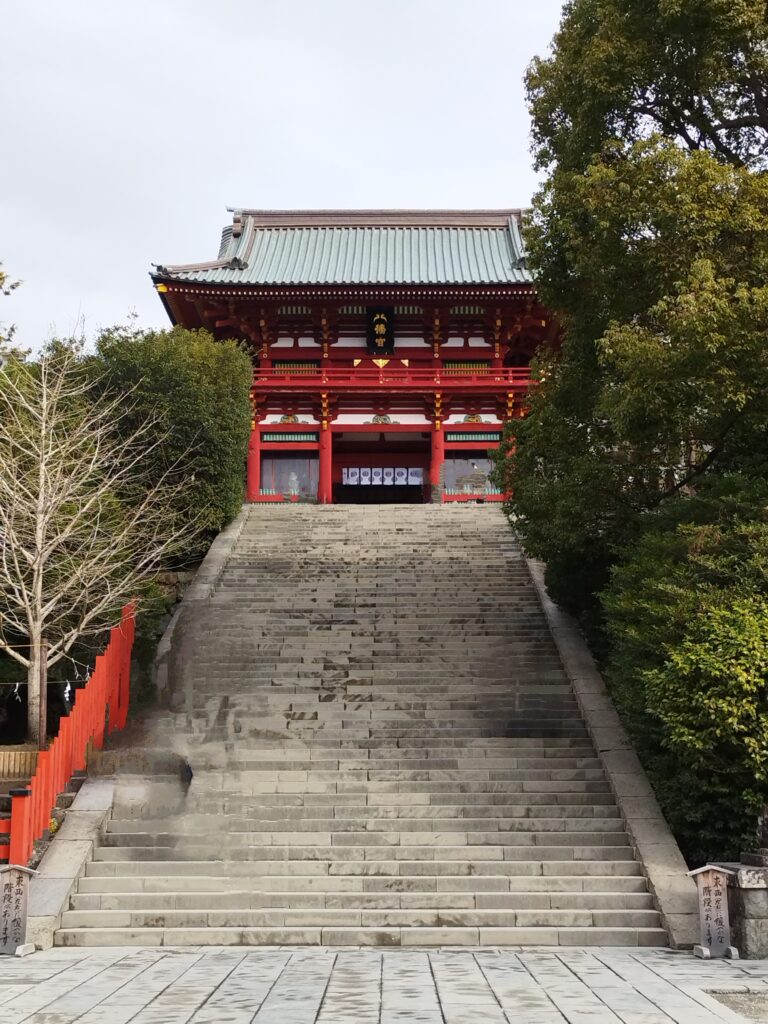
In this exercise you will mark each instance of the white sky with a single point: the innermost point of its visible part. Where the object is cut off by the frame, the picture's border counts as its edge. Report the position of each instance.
(128, 127)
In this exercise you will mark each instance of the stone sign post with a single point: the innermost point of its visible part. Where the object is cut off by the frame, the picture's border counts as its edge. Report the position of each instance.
(14, 881)
(712, 883)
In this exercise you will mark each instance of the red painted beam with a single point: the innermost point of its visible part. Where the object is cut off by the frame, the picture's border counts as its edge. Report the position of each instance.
(294, 446)
(471, 446)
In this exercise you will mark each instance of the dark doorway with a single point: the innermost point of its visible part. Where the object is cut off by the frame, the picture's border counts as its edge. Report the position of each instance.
(381, 468)
(375, 495)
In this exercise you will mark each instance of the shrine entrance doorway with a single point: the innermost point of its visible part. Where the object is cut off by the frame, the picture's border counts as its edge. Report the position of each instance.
(380, 468)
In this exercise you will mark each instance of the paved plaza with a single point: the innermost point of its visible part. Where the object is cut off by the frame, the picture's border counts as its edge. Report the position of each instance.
(358, 986)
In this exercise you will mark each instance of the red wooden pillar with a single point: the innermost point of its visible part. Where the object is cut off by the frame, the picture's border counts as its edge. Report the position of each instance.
(438, 458)
(325, 482)
(253, 480)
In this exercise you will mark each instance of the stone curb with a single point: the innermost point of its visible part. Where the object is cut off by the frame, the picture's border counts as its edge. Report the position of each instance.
(215, 561)
(65, 859)
(201, 588)
(654, 844)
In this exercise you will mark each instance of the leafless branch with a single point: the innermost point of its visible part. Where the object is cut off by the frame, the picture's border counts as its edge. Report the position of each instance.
(81, 527)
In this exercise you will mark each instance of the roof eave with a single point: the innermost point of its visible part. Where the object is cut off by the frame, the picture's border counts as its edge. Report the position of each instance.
(375, 218)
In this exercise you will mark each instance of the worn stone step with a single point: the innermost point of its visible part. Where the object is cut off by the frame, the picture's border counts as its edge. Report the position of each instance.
(357, 817)
(375, 829)
(214, 804)
(318, 747)
(339, 936)
(445, 859)
(355, 885)
(541, 865)
(249, 899)
(356, 918)
(299, 783)
(282, 771)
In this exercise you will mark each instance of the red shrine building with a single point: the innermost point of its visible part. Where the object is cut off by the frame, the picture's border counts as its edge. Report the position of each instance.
(389, 347)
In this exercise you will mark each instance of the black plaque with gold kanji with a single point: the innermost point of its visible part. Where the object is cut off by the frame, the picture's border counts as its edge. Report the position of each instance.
(381, 330)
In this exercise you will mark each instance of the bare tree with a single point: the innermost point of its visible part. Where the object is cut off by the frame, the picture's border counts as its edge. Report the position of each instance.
(81, 528)
(6, 287)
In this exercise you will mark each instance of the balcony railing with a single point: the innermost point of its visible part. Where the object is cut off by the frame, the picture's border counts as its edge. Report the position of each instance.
(490, 378)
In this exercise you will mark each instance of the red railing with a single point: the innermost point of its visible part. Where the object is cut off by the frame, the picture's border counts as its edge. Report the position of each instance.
(100, 707)
(518, 378)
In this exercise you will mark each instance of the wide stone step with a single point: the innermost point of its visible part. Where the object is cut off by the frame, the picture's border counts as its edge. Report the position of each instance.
(315, 747)
(397, 764)
(249, 831)
(358, 817)
(352, 886)
(382, 804)
(472, 688)
(339, 936)
(429, 713)
(344, 918)
(250, 899)
(542, 865)
(298, 783)
(384, 858)
(301, 781)
(416, 769)
(251, 806)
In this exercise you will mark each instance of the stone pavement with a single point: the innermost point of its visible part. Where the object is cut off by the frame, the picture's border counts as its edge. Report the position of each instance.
(226, 985)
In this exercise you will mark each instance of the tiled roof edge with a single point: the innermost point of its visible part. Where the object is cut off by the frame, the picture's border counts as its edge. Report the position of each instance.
(376, 218)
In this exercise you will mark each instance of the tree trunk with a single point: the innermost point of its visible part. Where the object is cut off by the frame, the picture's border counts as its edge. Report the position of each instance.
(33, 695)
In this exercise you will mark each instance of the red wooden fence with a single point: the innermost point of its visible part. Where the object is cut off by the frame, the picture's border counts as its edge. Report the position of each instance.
(100, 706)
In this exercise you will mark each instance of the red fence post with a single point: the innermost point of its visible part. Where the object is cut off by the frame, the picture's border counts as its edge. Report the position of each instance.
(65, 737)
(20, 832)
(42, 795)
(127, 633)
(56, 758)
(99, 694)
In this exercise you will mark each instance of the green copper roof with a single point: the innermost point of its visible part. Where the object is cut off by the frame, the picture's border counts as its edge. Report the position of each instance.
(364, 247)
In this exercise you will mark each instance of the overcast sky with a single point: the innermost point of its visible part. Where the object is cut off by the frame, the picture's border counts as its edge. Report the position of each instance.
(128, 127)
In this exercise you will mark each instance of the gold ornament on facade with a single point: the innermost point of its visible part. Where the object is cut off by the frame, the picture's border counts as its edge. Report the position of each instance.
(438, 409)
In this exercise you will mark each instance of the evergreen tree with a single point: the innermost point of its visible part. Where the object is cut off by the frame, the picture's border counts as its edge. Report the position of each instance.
(637, 476)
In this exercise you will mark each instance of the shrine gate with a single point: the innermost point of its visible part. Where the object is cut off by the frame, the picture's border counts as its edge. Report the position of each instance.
(389, 347)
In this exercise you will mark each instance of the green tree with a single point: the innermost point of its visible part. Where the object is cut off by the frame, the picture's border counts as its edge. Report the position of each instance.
(687, 614)
(695, 71)
(660, 259)
(198, 389)
(652, 249)
(647, 429)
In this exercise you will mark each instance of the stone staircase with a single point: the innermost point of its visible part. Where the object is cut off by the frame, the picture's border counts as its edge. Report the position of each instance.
(385, 751)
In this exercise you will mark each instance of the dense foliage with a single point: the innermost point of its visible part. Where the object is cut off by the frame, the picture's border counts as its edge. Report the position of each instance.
(695, 71)
(687, 619)
(198, 389)
(639, 474)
